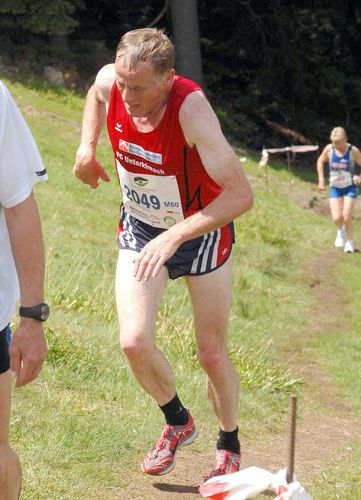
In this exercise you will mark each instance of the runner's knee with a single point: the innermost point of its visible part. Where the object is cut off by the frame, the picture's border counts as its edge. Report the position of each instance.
(135, 345)
(337, 219)
(211, 359)
(10, 473)
(346, 217)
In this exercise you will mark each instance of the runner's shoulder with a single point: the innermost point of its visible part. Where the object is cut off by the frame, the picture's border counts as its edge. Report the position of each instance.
(105, 80)
(326, 152)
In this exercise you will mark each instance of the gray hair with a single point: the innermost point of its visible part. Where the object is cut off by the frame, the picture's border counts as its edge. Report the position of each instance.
(148, 45)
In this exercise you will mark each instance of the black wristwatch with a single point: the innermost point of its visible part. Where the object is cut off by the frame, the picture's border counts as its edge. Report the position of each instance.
(39, 312)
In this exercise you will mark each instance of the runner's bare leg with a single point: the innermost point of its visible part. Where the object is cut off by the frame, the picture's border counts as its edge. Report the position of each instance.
(137, 306)
(10, 469)
(211, 297)
(348, 205)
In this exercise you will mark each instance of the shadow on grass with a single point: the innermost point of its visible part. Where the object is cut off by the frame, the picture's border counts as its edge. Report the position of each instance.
(181, 488)
(176, 488)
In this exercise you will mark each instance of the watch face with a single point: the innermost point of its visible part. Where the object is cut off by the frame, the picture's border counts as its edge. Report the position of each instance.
(44, 312)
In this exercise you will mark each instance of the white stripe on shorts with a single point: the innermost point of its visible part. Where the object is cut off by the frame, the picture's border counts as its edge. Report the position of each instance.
(206, 253)
(130, 240)
(215, 249)
(200, 250)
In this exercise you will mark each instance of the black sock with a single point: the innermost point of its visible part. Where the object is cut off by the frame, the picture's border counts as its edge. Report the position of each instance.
(175, 413)
(229, 441)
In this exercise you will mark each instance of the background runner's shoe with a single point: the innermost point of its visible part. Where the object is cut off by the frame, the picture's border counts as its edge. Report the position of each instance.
(161, 459)
(349, 248)
(226, 462)
(340, 238)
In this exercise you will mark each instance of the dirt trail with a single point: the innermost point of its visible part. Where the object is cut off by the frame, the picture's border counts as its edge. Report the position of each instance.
(326, 423)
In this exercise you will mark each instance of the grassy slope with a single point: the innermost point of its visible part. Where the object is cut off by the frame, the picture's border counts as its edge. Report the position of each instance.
(83, 430)
(340, 352)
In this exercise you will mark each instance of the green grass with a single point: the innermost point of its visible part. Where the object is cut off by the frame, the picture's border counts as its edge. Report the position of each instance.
(341, 350)
(341, 478)
(83, 426)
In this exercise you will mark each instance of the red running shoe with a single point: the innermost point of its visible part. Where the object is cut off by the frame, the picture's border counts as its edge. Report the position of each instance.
(226, 462)
(161, 459)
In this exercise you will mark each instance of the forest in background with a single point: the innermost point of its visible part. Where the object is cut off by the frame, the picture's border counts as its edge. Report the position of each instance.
(278, 72)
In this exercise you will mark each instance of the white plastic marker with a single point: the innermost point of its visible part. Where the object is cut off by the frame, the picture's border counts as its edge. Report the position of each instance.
(306, 148)
(264, 158)
(249, 482)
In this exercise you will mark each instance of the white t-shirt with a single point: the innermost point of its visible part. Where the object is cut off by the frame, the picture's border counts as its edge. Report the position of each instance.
(20, 168)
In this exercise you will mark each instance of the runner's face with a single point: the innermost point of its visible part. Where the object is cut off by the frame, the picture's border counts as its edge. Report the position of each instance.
(143, 91)
(340, 144)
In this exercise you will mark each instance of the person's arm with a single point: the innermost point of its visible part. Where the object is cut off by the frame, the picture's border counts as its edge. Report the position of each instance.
(356, 155)
(28, 346)
(322, 159)
(86, 167)
(202, 130)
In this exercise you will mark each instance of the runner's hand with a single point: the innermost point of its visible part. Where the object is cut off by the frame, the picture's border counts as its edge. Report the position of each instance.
(27, 351)
(321, 185)
(150, 260)
(357, 179)
(87, 169)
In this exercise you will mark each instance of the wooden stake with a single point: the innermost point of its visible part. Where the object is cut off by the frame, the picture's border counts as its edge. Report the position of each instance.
(292, 438)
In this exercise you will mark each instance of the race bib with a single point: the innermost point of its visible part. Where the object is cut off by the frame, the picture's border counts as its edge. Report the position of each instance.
(152, 199)
(340, 178)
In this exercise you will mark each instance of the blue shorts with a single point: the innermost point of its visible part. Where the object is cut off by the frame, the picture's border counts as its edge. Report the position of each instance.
(5, 336)
(350, 192)
(193, 258)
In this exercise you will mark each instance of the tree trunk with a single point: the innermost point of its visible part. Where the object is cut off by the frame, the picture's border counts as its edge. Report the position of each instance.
(186, 38)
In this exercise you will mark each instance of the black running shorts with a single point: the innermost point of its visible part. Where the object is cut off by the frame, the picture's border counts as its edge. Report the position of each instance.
(195, 257)
(4, 350)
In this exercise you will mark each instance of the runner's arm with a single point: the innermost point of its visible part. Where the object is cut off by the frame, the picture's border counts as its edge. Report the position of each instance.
(322, 159)
(86, 167)
(356, 155)
(202, 130)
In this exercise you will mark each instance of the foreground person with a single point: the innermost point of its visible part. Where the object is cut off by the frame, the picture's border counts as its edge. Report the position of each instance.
(182, 186)
(21, 263)
(340, 157)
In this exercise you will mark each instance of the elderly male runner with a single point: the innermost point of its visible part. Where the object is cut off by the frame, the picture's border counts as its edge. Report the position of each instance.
(21, 262)
(182, 186)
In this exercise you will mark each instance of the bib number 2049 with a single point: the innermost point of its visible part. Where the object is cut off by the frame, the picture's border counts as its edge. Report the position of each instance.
(151, 201)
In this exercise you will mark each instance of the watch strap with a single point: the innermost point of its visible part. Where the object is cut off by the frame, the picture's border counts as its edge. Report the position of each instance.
(40, 312)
